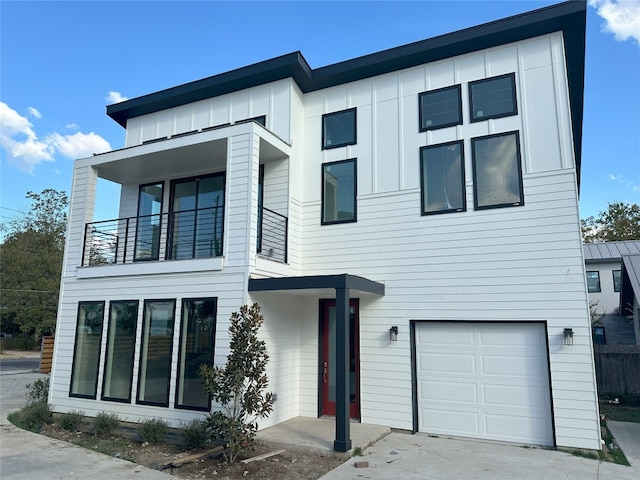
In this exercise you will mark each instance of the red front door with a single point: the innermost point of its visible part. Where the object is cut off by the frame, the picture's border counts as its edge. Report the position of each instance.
(328, 356)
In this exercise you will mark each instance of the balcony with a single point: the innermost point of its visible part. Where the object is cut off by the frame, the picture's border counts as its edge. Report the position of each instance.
(187, 234)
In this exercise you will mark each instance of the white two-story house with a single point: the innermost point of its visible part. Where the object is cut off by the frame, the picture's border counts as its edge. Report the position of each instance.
(408, 222)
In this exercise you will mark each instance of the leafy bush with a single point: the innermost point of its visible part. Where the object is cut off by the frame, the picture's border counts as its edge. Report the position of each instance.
(32, 417)
(153, 430)
(105, 423)
(38, 391)
(193, 434)
(70, 420)
(23, 341)
(239, 387)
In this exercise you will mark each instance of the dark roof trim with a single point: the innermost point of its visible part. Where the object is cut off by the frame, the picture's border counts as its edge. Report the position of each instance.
(568, 17)
(315, 282)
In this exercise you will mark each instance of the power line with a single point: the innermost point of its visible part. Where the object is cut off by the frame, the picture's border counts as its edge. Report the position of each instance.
(13, 210)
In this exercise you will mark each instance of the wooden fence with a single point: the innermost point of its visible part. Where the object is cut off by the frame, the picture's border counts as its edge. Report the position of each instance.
(618, 369)
(46, 354)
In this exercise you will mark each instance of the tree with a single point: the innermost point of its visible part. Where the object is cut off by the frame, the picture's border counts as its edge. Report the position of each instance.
(31, 262)
(239, 387)
(621, 221)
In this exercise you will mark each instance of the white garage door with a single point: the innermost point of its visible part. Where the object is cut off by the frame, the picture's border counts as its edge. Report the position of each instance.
(484, 380)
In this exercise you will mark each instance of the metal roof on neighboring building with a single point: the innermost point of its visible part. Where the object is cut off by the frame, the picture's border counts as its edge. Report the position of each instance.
(610, 251)
(630, 282)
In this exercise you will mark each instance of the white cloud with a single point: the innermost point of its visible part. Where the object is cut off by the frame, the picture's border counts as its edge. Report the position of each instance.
(25, 151)
(622, 18)
(34, 112)
(615, 178)
(71, 126)
(115, 97)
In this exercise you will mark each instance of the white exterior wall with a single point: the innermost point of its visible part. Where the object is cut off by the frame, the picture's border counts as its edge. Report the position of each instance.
(607, 301)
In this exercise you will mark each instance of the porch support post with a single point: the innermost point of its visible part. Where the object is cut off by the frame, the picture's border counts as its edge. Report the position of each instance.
(342, 442)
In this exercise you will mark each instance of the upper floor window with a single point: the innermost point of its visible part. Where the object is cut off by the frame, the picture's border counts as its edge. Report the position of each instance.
(442, 178)
(148, 222)
(497, 173)
(616, 280)
(493, 97)
(339, 192)
(440, 108)
(339, 129)
(593, 281)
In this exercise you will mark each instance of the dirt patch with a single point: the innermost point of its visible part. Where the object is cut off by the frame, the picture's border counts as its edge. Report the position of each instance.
(292, 464)
(20, 353)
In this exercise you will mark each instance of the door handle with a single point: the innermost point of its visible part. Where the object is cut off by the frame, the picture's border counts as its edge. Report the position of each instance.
(324, 372)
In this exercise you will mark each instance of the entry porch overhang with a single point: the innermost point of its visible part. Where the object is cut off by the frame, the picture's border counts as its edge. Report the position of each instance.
(343, 284)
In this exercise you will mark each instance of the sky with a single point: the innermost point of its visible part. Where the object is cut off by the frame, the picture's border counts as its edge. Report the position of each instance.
(62, 63)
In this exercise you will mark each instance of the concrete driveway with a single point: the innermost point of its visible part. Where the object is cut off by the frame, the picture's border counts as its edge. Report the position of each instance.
(404, 456)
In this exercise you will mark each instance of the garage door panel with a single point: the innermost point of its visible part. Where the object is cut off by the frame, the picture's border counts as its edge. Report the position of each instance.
(447, 363)
(484, 380)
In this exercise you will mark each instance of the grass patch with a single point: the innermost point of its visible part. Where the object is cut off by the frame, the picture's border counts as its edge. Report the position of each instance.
(357, 452)
(32, 417)
(193, 434)
(578, 452)
(621, 413)
(117, 447)
(617, 455)
(153, 430)
(104, 424)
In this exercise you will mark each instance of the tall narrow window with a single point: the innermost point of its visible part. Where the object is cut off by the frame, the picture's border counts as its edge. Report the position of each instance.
(86, 350)
(497, 174)
(339, 192)
(493, 97)
(197, 342)
(149, 222)
(593, 281)
(121, 342)
(616, 280)
(155, 352)
(442, 174)
(440, 108)
(198, 217)
(339, 129)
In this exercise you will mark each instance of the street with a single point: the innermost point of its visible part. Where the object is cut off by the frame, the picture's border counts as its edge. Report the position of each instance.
(9, 366)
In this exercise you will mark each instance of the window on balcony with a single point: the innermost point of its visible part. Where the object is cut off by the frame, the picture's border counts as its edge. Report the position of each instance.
(197, 217)
(86, 352)
(155, 352)
(121, 342)
(197, 341)
(149, 222)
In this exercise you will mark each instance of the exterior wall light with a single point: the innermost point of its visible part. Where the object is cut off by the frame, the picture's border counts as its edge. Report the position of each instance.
(568, 336)
(393, 334)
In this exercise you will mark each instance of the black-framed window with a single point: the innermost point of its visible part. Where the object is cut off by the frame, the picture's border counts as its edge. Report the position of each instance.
(339, 129)
(197, 344)
(86, 350)
(442, 178)
(149, 221)
(155, 353)
(440, 108)
(497, 171)
(593, 281)
(493, 97)
(339, 190)
(121, 343)
(616, 280)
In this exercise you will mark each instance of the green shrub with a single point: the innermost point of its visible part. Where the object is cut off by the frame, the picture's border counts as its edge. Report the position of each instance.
(105, 423)
(70, 420)
(32, 417)
(193, 434)
(38, 391)
(23, 341)
(153, 430)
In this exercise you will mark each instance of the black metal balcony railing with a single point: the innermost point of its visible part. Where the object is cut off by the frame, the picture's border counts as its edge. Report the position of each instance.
(272, 235)
(174, 236)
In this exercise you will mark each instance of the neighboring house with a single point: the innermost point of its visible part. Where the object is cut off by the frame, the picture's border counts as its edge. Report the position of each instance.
(630, 291)
(408, 222)
(603, 266)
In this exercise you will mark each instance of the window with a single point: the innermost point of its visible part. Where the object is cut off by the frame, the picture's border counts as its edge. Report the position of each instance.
(155, 352)
(442, 178)
(440, 108)
(197, 342)
(121, 343)
(493, 97)
(197, 208)
(593, 282)
(339, 129)
(149, 222)
(86, 350)
(497, 174)
(616, 280)
(339, 192)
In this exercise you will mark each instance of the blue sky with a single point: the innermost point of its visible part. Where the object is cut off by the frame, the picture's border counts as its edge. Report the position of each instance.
(61, 63)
